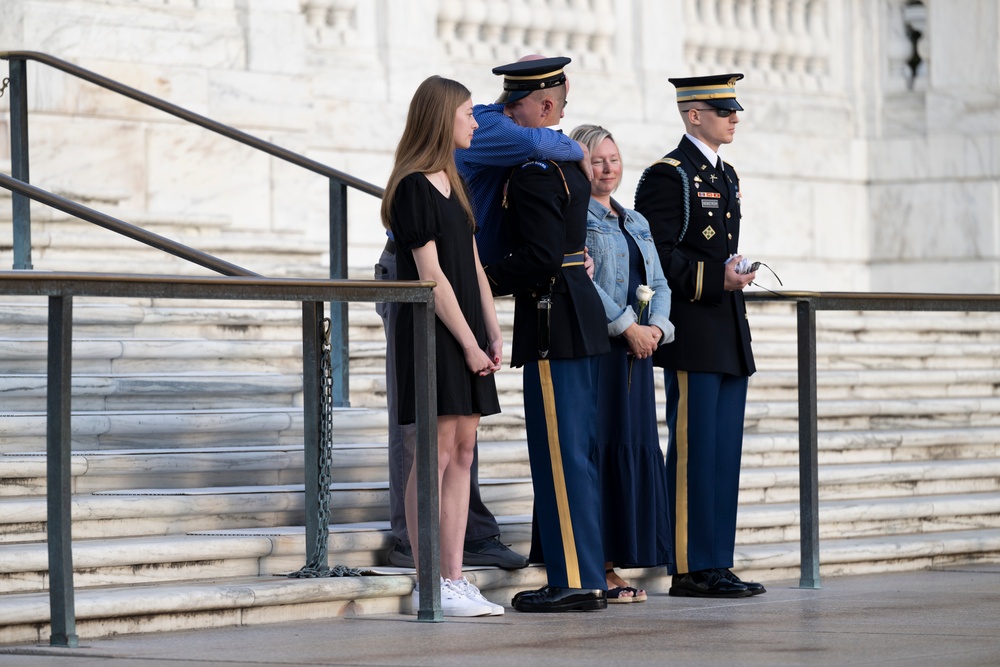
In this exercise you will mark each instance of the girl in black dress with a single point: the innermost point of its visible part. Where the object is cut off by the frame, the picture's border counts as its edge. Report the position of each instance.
(427, 209)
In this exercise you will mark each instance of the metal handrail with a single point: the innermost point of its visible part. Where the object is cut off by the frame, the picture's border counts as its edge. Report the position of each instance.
(60, 288)
(339, 182)
(806, 305)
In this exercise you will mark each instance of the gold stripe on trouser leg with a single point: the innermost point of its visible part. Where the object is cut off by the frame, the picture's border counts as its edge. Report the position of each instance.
(681, 476)
(558, 475)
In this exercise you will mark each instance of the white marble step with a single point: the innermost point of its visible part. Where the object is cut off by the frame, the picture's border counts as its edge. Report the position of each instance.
(250, 600)
(25, 432)
(245, 322)
(890, 445)
(23, 474)
(136, 561)
(878, 383)
(872, 414)
(873, 481)
(99, 516)
(207, 554)
(149, 391)
(774, 321)
(151, 355)
(779, 522)
(888, 355)
(147, 511)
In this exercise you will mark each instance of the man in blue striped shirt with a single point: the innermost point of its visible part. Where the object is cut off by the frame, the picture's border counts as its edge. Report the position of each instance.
(508, 135)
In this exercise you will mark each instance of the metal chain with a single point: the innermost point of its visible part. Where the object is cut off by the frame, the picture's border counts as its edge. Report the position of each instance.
(313, 567)
(3, 85)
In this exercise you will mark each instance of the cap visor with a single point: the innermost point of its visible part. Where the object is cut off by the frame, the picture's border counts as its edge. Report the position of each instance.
(508, 96)
(725, 104)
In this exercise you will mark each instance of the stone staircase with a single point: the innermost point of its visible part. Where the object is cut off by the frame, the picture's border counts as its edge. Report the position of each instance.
(187, 464)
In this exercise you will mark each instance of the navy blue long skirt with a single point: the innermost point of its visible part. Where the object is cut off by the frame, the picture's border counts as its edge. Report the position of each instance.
(631, 466)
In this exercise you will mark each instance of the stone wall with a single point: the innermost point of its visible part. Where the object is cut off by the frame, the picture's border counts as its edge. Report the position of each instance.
(861, 168)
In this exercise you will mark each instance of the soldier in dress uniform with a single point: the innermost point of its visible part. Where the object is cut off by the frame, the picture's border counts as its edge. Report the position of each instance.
(692, 201)
(559, 331)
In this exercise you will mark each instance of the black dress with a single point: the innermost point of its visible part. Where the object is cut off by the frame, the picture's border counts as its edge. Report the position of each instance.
(635, 521)
(420, 213)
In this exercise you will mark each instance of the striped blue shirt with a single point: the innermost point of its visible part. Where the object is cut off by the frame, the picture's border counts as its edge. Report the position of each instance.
(498, 145)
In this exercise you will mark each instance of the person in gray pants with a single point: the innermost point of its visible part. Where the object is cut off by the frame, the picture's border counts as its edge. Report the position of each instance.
(482, 534)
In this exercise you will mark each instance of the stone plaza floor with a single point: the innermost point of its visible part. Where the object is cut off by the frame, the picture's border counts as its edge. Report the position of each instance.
(948, 616)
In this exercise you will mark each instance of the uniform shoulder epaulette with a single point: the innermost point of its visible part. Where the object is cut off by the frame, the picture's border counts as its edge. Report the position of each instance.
(535, 163)
(669, 160)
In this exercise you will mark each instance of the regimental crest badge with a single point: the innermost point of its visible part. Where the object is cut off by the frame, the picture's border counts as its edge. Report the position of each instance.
(708, 232)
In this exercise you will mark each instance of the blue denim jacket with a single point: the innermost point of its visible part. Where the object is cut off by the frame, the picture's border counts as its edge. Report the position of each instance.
(609, 249)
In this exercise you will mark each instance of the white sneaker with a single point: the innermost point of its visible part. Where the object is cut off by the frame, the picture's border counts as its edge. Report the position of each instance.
(470, 591)
(454, 602)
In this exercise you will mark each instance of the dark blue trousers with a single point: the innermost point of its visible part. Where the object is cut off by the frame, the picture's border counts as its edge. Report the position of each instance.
(560, 414)
(705, 414)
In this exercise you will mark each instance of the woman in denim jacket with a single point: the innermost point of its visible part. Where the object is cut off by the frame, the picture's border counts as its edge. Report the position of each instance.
(631, 466)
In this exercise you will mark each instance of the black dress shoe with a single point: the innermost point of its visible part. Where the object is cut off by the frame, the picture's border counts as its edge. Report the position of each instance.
(554, 598)
(518, 596)
(752, 586)
(491, 551)
(706, 584)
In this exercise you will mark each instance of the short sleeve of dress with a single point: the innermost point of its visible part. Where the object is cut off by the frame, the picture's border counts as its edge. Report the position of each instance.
(414, 219)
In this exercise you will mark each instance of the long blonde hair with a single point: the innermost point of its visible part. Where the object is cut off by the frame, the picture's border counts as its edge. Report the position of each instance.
(428, 142)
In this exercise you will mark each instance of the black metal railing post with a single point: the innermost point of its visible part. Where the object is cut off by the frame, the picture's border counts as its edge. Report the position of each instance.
(340, 359)
(312, 322)
(59, 452)
(808, 447)
(19, 161)
(426, 459)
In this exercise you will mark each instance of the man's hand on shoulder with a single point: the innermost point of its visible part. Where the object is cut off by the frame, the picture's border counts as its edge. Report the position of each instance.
(585, 166)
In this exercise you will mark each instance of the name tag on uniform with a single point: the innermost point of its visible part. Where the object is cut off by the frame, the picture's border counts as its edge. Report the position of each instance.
(710, 203)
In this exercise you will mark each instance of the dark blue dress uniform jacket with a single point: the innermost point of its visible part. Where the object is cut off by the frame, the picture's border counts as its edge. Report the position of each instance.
(546, 219)
(694, 214)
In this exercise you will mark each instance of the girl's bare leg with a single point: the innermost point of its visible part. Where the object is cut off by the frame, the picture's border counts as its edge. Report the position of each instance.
(456, 441)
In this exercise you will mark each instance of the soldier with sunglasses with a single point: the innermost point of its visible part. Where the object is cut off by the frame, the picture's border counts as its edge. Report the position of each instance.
(691, 199)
